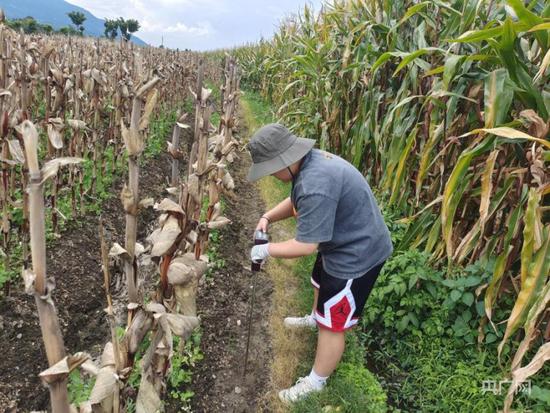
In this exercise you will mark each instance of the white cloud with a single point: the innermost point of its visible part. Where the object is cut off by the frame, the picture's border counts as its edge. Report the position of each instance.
(200, 29)
(199, 24)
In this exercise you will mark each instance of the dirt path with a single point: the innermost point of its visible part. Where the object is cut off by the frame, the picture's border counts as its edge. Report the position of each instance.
(74, 260)
(223, 304)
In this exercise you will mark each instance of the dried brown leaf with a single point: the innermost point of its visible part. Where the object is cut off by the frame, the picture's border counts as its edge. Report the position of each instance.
(108, 355)
(30, 139)
(182, 325)
(76, 124)
(28, 278)
(133, 140)
(146, 203)
(63, 367)
(166, 238)
(148, 110)
(219, 222)
(168, 205)
(520, 375)
(148, 400)
(118, 250)
(141, 324)
(127, 199)
(228, 182)
(193, 187)
(104, 387)
(179, 272)
(54, 135)
(51, 168)
(537, 127)
(16, 151)
(185, 268)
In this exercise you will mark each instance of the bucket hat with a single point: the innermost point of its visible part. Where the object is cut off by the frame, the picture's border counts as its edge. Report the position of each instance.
(273, 148)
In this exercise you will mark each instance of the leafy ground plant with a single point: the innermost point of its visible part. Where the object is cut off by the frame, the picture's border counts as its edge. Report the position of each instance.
(181, 373)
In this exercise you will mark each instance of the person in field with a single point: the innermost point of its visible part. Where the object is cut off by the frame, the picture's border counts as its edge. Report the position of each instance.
(338, 218)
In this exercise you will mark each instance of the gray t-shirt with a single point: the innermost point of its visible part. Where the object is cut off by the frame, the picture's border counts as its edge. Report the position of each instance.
(336, 208)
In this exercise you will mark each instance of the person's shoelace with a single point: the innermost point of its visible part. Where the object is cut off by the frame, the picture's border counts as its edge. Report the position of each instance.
(301, 385)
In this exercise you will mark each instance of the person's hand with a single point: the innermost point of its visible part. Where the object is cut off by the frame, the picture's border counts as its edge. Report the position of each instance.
(263, 224)
(259, 253)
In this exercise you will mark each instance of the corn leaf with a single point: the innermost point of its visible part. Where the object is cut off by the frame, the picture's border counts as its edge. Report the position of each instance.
(498, 98)
(530, 20)
(494, 284)
(542, 26)
(536, 273)
(529, 231)
(543, 66)
(486, 187)
(538, 308)
(409, 57)
(452, 193)
(520, 375)
(398, 176)
(513, 224)
(509, 133)
(478, 35)
(450, 67)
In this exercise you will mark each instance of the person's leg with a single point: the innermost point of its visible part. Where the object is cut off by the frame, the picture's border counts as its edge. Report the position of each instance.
(315, 299)
(330, 347)
(309, 319)
(339, 304)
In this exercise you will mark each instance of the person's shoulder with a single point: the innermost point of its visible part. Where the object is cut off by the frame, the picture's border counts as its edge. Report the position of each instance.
(320, 154)
(320, 177)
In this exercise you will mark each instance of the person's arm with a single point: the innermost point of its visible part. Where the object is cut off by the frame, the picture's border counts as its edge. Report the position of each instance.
(285, 249)
(279, 212)
(291, 249)
(315, 225)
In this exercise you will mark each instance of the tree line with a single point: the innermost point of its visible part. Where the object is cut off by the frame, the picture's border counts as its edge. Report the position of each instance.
(29, 25)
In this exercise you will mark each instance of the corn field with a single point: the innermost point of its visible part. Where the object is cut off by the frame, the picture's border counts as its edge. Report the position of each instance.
(445, 107)
(72, 108)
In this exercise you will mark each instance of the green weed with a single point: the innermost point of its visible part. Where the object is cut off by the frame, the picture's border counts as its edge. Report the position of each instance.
(79, 387)
(181, 372)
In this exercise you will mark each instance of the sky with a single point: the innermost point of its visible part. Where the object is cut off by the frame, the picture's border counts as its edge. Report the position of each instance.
(199, 24)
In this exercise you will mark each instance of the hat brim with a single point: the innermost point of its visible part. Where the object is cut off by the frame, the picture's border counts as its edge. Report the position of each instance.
(294, 153)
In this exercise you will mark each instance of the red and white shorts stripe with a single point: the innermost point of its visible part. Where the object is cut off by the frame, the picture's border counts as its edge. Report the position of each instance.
(341, 301)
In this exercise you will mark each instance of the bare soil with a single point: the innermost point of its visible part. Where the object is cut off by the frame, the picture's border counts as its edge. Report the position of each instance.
(75, 262)
(219, 382)
(223, 304)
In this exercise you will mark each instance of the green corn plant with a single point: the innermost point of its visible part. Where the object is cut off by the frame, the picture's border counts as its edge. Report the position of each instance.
(443, 105)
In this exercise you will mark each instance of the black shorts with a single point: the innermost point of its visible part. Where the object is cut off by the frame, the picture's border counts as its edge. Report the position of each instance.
(341, 302)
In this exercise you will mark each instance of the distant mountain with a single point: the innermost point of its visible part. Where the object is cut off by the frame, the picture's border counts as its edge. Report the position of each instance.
(54, 12)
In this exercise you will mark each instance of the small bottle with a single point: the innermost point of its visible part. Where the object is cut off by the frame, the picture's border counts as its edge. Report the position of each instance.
(260, 237)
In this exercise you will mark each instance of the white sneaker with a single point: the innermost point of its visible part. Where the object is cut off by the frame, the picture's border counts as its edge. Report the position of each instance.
(299, 391)
(298, 322)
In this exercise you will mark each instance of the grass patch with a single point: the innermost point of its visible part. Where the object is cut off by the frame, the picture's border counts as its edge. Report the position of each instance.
(257, 112)
(352, 388)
